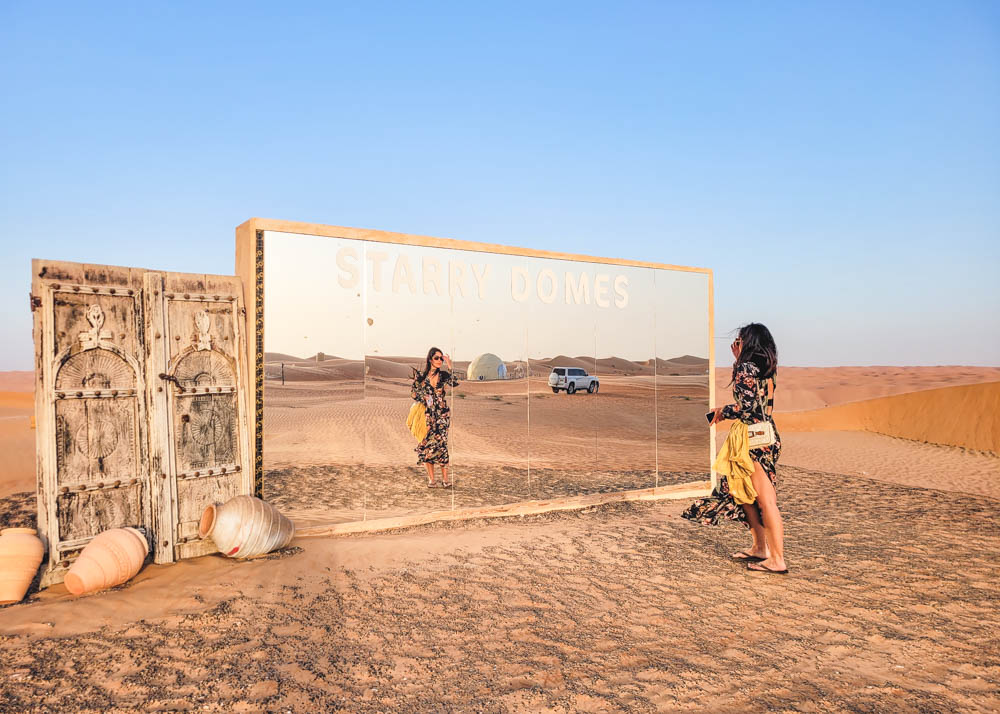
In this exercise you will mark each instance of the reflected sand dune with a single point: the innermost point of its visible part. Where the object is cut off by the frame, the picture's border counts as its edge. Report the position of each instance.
(338, 449)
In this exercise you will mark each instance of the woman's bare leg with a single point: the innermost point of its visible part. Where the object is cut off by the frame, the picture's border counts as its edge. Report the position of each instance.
(430, 473)
(773, 526)
(444, 475)
(759, 547)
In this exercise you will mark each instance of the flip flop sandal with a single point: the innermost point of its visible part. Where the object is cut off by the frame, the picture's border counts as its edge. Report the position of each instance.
(765, 569)
(745, 557)
(432, 485)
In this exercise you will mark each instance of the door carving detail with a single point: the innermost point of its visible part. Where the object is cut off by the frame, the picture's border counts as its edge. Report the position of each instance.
(202, 323)
(204, 415)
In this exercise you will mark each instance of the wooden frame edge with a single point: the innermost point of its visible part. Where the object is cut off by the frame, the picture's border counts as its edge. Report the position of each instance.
(250, 270)
(522, 508)
(711, 376)
(316, 229)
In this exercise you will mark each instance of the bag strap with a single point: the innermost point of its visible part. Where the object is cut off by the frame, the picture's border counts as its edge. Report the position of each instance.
(768, 396)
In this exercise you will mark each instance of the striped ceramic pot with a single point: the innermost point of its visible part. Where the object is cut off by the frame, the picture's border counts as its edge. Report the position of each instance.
(245, 526)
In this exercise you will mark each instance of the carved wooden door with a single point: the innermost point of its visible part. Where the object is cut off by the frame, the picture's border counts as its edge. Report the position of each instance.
(200, 444)
(117, 445)
(90, 406)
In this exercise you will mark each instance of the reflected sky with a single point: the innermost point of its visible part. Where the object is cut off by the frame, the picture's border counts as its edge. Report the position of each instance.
(322, 291)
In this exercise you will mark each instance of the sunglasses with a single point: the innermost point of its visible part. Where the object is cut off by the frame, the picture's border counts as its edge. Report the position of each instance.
(437, 358)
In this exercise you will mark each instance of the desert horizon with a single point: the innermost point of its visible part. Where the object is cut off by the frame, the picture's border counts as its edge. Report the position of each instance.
(807, 390)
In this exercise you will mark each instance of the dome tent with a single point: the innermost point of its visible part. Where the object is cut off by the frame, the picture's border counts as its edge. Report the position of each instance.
(487, 367)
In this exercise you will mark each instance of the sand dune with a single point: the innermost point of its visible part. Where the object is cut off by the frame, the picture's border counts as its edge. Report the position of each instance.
(968, 416)
(17, 381)
(17, 438)
(817, 387)
(895, 460)
(388, 366)
(617, 365)
(586, 363)
(375, 367)
(282, 357)
(327, 370)
(689, 360)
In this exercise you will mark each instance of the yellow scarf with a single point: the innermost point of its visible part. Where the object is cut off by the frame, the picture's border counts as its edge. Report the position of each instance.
(734, 461)
(416, 421)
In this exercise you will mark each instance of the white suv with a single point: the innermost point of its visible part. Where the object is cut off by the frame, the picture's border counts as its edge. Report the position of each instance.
(572, 379)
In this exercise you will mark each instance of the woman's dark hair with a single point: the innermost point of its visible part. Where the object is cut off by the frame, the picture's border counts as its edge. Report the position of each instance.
(757, 346)
(421, 376)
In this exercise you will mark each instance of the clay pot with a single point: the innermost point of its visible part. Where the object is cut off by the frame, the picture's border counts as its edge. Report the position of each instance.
(21, 553)
(246, 526)
(110, 559)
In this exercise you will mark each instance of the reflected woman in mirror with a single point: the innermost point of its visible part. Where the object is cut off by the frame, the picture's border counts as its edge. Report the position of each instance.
(756, 362)
(429, 388)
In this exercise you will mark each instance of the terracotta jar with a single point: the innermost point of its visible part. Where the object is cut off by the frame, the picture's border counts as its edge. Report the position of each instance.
(110, 559)
(21, 553)
(246, 526)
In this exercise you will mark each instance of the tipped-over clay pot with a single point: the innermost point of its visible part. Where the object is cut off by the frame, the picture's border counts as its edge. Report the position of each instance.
(110, 559)
(246, 526)
(20, 555)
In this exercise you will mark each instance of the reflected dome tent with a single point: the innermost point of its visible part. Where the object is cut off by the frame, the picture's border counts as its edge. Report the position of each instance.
(487, 367)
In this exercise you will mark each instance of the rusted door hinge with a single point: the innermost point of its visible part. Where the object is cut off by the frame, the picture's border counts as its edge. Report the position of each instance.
(35, 302)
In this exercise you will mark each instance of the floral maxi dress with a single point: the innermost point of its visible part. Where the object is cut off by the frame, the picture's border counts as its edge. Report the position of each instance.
(434, 448)
(720, 505)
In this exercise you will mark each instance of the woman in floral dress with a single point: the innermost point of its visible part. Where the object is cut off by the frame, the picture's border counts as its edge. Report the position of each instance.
(429, 388)
(756, 362)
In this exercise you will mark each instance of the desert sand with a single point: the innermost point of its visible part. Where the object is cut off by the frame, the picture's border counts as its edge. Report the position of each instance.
(336, 448)
(17, 438)
(890, 605)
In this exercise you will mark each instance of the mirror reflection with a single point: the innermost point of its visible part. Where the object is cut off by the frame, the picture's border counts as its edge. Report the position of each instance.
(626, 404)
(563, 383)
(314, 388)
(408, 311)
(407, 379)
(683, 451)
(490, 408)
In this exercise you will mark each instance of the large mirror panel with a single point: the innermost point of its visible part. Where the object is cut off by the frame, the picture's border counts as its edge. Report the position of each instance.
(567, 377)
(625, 406)
(314, 411)
(489, 434)
(682, 376)
(562, 365)
(408, 310)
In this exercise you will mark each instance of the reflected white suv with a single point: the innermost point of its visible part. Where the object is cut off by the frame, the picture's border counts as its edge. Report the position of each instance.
(571, 379)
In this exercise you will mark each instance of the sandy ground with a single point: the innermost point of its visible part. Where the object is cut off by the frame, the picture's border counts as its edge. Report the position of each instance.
(619, 608)
(802, 388)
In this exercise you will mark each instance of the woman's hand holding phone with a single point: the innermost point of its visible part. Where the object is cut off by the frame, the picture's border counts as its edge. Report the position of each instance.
(714, 416)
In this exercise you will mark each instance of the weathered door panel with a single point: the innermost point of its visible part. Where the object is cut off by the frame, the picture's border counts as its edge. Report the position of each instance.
(84, 514)
(92, 463)
(200, 443)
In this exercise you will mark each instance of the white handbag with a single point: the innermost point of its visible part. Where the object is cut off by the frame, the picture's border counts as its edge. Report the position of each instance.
(761, 433)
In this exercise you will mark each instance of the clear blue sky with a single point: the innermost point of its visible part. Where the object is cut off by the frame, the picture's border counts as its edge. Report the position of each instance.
(837, 164)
